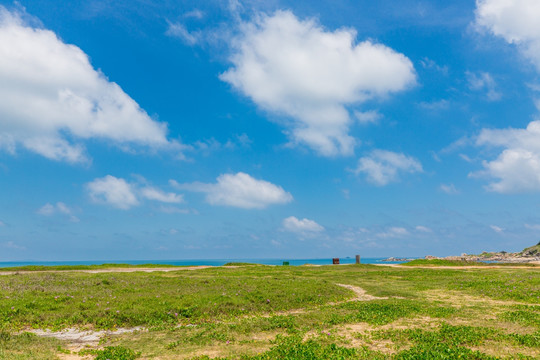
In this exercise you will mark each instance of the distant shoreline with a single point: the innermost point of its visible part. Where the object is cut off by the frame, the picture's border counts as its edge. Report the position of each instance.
(198, 262)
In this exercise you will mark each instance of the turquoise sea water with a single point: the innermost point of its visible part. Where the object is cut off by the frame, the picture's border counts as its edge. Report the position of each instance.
(195, 262)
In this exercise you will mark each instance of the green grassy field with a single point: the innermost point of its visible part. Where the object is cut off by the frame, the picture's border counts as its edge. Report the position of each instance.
(269, 312)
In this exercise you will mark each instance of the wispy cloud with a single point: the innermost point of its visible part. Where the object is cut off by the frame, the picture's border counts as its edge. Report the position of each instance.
(449, 188)
(383, 167)
(393, 232)
(58, 208)
(12, 245)
(180, 31)
(483, 81)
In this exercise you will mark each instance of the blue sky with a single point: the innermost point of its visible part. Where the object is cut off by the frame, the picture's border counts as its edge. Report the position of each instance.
(276, 129)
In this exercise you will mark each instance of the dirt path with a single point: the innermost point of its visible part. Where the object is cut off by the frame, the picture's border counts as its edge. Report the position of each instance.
(360, 293)
(114, 270)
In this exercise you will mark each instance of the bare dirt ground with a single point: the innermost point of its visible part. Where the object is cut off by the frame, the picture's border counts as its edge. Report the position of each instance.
(360, 293)
(113, 270)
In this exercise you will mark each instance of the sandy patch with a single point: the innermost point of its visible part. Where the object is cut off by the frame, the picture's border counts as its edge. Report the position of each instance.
(77, 336)
(115, 270)
(77, 339)
(360, 293)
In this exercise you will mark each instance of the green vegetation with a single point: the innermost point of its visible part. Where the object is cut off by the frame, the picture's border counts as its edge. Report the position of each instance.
(112, 353)
(278, 312)
(241, 264)
(443, 262)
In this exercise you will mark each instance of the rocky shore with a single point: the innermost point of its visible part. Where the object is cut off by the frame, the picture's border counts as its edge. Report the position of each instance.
(528, 255)
(394, 259)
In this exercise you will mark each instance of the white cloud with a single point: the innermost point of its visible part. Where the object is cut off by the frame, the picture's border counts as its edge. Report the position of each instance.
(113, 191)
(196, 14)
(123, 195)
(394, 232)
(13, 246)
(437, 105)
(367, 117)
(47, 210)
(483, 81)
(496, 229)
(427, 63)
(60, 208)
(240, 190)
(175, 210)
(383, 167)
(52, 99)
(180, 31)
(535, 227)
(517, 167)
(152, 193)
(516, 21)
(296, 68)
(449, 188)
(303, 226)
(423, 229)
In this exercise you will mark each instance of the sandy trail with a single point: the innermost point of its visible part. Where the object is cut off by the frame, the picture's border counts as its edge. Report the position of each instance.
(114, 270)
(360, 293)
(190, 268)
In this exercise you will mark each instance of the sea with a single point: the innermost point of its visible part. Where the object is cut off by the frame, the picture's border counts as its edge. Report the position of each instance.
(203, 262)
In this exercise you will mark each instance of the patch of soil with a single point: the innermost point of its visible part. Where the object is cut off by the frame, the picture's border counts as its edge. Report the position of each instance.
(360, 293)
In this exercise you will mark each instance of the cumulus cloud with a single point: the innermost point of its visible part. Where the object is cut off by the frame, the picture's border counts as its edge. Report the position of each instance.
(297, 69)
(517, 167)
(383, 167)
(113, 191)
(516, 21)
(59, 208)
(496, 228)
(240, 190)
(121, 194)
(52, 99)
(303, 226)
